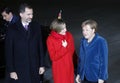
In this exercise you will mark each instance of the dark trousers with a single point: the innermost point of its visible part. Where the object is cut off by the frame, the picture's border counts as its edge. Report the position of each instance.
(41, 78)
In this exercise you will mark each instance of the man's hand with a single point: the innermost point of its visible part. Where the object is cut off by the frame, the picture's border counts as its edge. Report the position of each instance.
(13, 75)
(41, 70)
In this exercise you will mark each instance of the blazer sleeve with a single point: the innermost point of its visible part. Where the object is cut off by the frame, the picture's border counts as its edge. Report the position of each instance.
(103, 60)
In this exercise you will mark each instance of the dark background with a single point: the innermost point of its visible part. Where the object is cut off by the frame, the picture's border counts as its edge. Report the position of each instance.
(74, 12)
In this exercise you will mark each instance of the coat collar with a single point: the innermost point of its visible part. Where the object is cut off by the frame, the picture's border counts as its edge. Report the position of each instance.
(22, 30)
(58, 36)
(92, 42)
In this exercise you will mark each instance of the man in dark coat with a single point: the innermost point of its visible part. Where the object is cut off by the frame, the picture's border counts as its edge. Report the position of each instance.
(24, 50)
(8, 16)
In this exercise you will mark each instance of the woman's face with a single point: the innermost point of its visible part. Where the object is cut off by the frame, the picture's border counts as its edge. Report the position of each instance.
(63, 31)
(87, 31)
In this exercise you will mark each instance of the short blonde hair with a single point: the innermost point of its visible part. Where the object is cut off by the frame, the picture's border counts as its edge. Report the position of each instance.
(92, 23)
(57, 24)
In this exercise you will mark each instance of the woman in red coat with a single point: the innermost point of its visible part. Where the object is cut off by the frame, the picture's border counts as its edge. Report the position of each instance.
(60, 46)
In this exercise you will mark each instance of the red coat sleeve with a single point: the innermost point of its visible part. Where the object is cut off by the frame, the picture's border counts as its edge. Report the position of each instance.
(71, 46)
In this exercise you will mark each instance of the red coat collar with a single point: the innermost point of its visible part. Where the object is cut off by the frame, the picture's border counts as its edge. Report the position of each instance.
(57, 35)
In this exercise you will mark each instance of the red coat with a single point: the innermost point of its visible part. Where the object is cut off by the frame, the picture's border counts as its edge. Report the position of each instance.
(61, 57)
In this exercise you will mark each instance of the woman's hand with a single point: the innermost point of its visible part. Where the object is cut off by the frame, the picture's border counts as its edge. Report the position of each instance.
(78, 79)
(100, 81)
(64, 43)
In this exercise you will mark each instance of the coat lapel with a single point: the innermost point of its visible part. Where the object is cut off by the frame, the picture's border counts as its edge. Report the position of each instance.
(22, 30)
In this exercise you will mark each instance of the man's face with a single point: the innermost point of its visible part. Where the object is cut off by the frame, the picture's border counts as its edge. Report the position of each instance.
(27, 16)
(6, 16)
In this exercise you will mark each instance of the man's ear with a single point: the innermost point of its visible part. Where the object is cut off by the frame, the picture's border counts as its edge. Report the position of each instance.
(10, 13)
(20, 14)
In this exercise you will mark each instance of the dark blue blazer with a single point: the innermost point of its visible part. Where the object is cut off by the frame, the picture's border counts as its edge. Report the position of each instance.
(93, 59)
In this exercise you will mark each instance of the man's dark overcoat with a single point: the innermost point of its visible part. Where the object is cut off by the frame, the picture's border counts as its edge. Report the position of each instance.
(24, 52)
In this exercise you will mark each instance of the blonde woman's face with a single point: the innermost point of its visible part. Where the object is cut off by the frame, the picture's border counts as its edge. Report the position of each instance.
(87, 31)
(63, 31)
